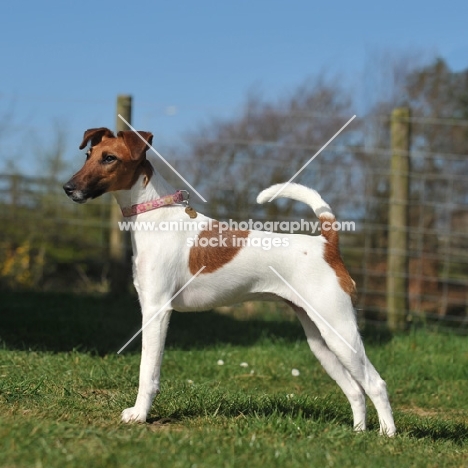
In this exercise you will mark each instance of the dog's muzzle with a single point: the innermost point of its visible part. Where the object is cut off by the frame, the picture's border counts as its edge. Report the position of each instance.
(76, 195)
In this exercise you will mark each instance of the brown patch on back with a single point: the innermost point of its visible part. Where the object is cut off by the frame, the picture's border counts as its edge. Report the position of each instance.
(333, 257)
(225, 248)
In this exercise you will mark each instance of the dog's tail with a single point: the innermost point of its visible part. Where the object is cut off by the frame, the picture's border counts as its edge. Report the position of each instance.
(324, 213)
(300, 193)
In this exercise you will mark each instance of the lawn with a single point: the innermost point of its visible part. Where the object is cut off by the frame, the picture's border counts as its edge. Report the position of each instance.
(62, 388)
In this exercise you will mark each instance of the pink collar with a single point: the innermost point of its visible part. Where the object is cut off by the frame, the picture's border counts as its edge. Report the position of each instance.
(179, 197)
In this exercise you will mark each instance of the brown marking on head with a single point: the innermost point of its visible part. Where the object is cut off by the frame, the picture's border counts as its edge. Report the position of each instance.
(333, 257)
(113, 163)
(95, 135)
(223, 248)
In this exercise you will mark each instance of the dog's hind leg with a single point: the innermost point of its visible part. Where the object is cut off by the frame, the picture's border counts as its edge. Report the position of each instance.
(353, 391)
(342, 338)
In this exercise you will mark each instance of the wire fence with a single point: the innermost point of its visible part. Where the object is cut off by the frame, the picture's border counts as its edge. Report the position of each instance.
(49, 243)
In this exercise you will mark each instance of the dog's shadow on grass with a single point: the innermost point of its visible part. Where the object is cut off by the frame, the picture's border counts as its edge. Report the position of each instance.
(324, 410)
(433, 428)
(440, 430)
(455, 432)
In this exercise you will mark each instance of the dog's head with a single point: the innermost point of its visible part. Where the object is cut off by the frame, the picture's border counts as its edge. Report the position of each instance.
(112, 163)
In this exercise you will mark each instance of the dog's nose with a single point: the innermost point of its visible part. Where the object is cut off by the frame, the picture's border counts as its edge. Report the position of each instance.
(69, 188)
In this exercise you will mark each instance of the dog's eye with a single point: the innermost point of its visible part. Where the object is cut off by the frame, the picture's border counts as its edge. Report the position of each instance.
(88, 155)
(109, 159)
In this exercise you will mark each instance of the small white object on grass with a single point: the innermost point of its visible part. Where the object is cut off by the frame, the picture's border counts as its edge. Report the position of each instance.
(244, 364)
(295, 373)
(220, 362)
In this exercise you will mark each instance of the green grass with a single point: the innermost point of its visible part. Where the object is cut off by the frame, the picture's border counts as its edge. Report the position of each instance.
(62, 388)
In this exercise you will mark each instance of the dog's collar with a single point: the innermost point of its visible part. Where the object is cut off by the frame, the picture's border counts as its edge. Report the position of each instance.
(179, 197)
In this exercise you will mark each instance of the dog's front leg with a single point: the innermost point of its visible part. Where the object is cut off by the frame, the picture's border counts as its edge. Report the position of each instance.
(155, 324)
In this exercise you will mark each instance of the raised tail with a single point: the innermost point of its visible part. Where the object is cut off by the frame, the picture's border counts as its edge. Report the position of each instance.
(300, 193)
(324, 213)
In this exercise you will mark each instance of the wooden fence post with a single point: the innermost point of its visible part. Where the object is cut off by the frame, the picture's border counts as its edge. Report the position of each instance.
(397, 253)
(119, 242)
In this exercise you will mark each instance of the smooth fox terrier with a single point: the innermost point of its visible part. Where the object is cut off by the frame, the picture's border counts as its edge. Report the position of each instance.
(309, 274)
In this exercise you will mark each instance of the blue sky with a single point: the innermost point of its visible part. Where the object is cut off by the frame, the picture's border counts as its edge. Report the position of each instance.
(185, 62)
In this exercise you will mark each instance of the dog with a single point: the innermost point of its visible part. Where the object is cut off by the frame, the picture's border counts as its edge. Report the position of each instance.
(171, 273)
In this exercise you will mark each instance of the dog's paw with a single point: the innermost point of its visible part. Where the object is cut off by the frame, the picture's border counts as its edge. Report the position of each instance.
(133, 415)
(388, 432)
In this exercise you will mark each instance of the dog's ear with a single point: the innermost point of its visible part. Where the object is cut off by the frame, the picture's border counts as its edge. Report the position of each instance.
(95, 135)
(137, 142)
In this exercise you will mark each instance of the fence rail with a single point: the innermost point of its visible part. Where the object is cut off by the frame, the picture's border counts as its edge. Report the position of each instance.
(48, 242)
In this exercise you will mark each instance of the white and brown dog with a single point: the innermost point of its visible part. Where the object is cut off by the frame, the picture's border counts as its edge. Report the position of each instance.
(309, 274)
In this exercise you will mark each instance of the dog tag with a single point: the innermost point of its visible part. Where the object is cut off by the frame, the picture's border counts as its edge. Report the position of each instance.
(191, 212)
